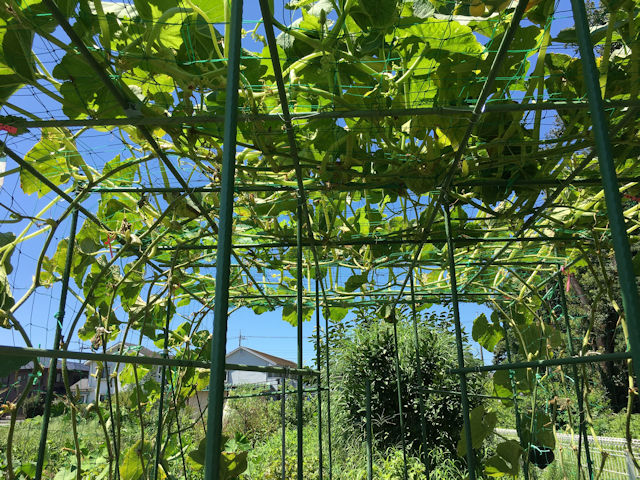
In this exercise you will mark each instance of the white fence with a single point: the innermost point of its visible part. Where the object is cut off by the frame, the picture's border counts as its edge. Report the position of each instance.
(613, 451)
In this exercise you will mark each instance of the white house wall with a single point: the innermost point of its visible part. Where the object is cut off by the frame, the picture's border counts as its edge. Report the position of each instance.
(240, 377)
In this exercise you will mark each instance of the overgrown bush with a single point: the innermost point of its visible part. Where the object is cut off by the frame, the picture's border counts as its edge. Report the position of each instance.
(367, 351)
(254, 417)
(33, 406)
(58, 407)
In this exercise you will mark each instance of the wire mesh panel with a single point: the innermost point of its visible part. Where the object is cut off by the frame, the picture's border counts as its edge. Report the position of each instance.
(610, 455)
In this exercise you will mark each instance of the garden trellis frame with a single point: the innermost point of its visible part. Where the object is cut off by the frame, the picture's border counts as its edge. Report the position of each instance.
(440, 223)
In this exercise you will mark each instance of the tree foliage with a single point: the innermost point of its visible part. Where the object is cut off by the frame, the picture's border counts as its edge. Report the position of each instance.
(367, 353)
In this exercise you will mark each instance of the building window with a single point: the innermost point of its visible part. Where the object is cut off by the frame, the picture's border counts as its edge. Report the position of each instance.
(59, 377)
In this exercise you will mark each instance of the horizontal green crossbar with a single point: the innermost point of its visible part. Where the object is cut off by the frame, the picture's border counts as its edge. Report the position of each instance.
(454, 393)
(355, 186)
(605, 357)
(275, 393)
(169, 362)
(250, 117)
(385, 241)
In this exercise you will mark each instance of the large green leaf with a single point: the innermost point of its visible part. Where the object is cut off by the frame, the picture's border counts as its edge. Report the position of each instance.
(485, 333)
(542, 434)
(6, 298)
(444, 38)
(506, 461)
(290, 314)
(81, 92)
(127, 375)
(502, 382)
(355, 281)
(482, 424)
(16, 51)
(131, 467)
(53, 157)
(10, 363)
(232, 464)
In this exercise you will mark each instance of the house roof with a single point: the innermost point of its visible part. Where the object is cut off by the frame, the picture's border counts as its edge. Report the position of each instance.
(45, 361)
(131, 347)
(282, 362)
(128, 347)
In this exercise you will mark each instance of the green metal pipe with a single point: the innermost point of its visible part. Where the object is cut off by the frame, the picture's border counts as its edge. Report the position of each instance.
(584, 182)
(624, 260)
(53, 365)
(163, 373)
(387, 241)
(470, 395)
(352, 186)
(326, 315)
(251, 117)
(423, 417)
(267, 394)
(299, 312)
(516, 409)
(178, 427)
(582, 426)
(368, 430)
(267, 20)
(283, 413)
(459, 346)
(218, 348)
(9, 351)
(318, 366)
(403, 440)
(344, 298)
(112, 416)
(603, 357)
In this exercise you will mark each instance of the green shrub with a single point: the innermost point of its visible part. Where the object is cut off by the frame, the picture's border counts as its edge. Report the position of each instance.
(367, 351)
(33, 406)
(58, 407)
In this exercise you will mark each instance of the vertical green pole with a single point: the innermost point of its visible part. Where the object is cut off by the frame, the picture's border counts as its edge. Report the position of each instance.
(525, 464)
(399, 387)
(582, 429)
(56, 345)
(423, 424)
(456, 318)
(626, 274)
(163, 378)
(369, 433)
(283, 413)
(299, 287)
(318, 363)
(223, 261)
(327, 314)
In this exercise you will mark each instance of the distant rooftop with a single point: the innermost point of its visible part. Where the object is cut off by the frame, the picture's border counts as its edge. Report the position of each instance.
(282, 362)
